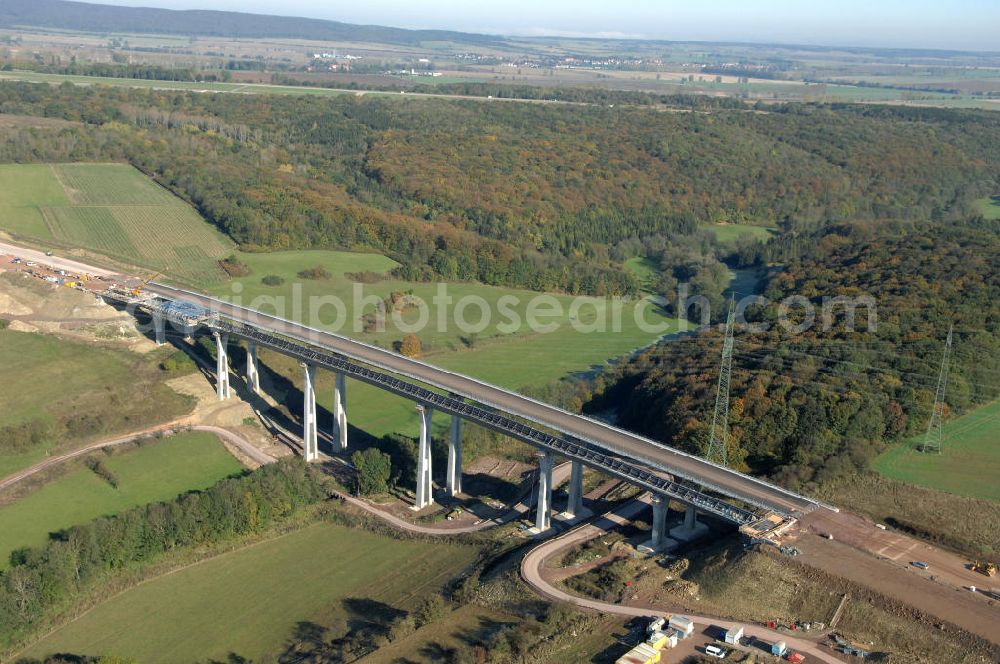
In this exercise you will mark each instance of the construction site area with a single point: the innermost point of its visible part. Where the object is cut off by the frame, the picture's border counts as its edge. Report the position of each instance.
(829, 586)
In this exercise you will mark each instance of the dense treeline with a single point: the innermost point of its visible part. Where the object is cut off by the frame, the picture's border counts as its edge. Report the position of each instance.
(527, 195)
(114, 70)
(808, 406)
(575, 95)
(41, 580)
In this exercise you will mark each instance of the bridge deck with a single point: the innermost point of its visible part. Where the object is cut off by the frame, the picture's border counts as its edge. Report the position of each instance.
(597, 433)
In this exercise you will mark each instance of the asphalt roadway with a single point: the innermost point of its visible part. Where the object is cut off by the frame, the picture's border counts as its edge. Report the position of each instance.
(583, 428)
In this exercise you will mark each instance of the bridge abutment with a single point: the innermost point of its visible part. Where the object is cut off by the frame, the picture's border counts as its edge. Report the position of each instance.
(425, 489)
(253, 368)
(455, 457)
(310, 437)
(340, 410)
(221, 366)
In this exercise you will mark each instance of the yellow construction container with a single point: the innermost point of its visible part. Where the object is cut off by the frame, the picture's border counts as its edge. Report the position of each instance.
(657, 640)
(641, 654)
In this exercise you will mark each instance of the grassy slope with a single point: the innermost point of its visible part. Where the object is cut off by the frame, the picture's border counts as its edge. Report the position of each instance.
(250, 600)
(990, 207)
(645, 269)
(114, 210)
(969, 464)
(154, 472)
(43, 375)
(516, 361)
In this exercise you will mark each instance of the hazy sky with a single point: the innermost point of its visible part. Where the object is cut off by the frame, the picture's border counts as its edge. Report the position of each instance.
(950, 24)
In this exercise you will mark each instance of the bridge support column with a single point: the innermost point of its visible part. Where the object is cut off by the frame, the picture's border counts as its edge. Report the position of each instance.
(340, 410)
(455, 457)
(425, 493)
(253, 372)
(221, 366)
(160, 328)
(543, 514)
(692, 529)
(574, 504)
(310, 438)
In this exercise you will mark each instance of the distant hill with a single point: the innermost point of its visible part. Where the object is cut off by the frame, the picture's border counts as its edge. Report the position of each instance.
(66, 15)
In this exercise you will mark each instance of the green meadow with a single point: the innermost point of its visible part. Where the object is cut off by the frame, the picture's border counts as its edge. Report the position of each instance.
(969, 463)
(249, 601)
(156, 471)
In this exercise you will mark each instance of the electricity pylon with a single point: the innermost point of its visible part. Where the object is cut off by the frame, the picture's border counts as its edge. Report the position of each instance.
(934, 437)
(718, 440)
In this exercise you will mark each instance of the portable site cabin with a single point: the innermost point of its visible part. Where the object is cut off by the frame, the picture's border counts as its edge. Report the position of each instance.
(778, 648)
(796, 658)
(684, 626)
(733, 635)
(656, 625)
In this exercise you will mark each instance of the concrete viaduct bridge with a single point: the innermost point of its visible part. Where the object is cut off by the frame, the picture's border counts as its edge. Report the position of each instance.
(756, 506)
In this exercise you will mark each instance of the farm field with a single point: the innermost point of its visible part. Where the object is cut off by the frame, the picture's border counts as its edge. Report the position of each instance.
(990, 207)
(112, 210)
(43, 375)
(249, 601)
(156, 471)
(518, 360)
(968, 465)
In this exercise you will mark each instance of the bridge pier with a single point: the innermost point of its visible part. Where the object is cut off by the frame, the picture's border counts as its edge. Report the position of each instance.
(310, 437)
(574, 503)
(543, 514)
(658, 535)
(455, 457)
(425, 489)
(340, 410)
(691, 529)
(159, 328)
(253, 371)
(222, 366)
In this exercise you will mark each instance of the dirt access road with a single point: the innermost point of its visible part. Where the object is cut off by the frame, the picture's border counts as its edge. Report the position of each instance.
(57, 262)
(533, 566)
(228, 436)
(881, 560)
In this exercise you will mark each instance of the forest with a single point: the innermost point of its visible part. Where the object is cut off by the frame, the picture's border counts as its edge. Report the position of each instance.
(811, 406)
(528, 195)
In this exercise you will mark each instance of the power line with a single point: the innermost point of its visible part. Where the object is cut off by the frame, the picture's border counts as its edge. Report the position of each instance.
(718, 442)
(933, 439)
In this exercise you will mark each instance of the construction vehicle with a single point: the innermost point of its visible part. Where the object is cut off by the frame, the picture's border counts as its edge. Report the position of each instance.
(138, 289)
(988, 567)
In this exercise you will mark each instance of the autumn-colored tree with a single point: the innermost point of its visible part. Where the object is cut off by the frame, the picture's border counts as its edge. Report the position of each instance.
(410, 346)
